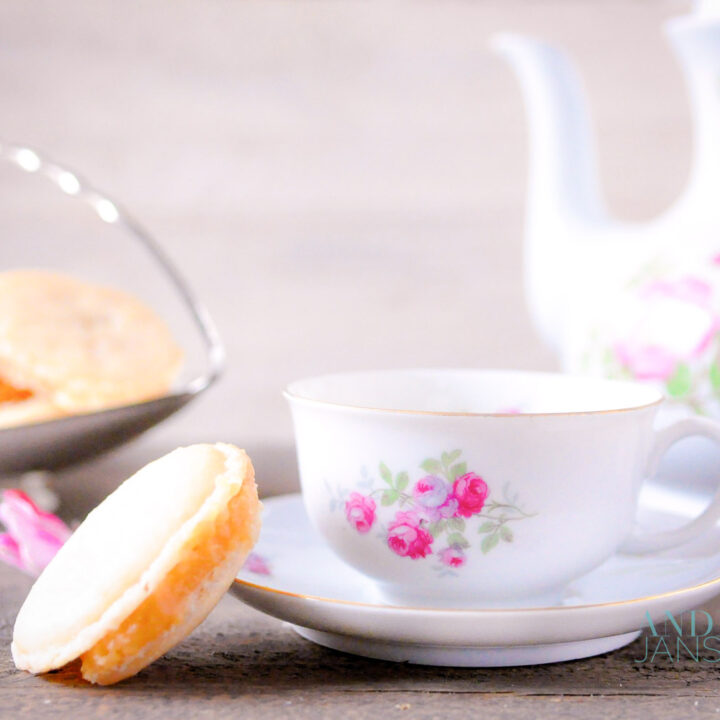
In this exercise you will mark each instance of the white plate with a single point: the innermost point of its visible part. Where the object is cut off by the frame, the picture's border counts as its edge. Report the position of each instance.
(294, 576)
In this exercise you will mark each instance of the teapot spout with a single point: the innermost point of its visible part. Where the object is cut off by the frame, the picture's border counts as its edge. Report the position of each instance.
(696, 40)
(564, 204)
(563, 180)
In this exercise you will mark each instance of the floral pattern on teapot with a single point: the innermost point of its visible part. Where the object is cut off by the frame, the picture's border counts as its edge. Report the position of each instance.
(664, 329)
(436, 513)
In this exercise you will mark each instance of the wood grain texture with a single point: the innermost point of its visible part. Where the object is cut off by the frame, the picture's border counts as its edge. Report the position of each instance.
(242, 663)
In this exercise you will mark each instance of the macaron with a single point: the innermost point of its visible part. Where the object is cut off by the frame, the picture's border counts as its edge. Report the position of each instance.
(145, 567)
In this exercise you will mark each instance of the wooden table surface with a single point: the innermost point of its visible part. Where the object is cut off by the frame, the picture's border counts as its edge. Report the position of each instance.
(242, 664)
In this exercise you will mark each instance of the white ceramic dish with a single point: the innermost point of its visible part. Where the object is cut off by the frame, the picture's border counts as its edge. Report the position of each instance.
(294, 576)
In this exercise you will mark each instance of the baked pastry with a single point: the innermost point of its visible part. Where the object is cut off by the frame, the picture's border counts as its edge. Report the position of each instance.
(144, 568)
(68, 346)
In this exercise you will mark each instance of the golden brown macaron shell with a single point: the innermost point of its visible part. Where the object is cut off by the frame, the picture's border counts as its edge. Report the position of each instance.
(144, 568)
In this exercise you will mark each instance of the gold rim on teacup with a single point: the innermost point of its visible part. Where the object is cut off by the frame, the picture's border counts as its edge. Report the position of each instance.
(291, 394)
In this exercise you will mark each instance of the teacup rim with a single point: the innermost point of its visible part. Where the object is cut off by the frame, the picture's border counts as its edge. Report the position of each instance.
(292, 395)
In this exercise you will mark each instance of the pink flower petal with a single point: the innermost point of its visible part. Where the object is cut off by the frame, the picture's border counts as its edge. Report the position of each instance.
(10, 552)
(34, 536)
(257, 564)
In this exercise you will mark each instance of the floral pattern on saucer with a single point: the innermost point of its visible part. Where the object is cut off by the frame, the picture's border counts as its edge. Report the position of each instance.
(436, 513)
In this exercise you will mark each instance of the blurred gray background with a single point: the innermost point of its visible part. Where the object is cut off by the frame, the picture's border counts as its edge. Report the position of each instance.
(341, 182)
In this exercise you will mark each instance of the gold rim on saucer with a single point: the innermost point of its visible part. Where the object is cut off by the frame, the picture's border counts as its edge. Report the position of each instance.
(590, 606)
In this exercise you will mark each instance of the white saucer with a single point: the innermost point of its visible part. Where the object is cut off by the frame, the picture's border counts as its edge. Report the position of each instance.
(294, 576)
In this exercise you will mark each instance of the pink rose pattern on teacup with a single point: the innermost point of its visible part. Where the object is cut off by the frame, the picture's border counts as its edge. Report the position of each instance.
(360, 511)
(452, 557)
(470, 492)
(407, 537)
(434, 496)
(435, 511)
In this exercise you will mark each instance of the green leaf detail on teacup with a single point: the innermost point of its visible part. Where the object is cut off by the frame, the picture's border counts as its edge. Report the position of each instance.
(448, 458)
(458, 539)
(456, 523)
(435, 510)
(498, 516)
(432, 466)
(489, 542)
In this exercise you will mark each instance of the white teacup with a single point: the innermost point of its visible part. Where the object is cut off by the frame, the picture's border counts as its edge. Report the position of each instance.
(474, 487)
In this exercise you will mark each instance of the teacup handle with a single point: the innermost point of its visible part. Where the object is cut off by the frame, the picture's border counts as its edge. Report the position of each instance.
(642, 542)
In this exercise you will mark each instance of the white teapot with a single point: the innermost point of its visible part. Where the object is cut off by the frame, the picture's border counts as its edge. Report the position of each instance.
(633, 300)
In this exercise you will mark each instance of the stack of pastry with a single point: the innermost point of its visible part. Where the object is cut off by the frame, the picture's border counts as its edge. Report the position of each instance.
(68, 347)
